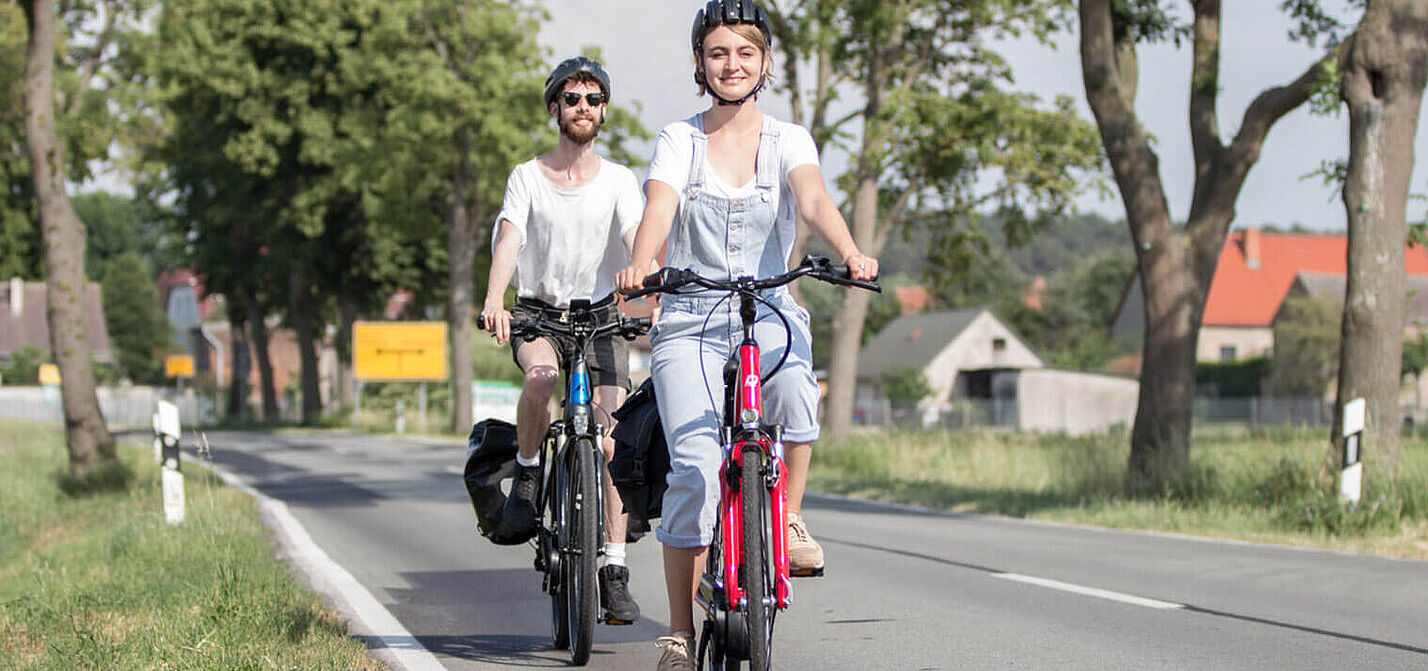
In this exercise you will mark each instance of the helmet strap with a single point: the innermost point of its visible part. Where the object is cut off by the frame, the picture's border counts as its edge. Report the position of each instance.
(721, 100)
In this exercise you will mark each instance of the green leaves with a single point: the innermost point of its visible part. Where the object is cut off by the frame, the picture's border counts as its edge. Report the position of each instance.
(1306, 346)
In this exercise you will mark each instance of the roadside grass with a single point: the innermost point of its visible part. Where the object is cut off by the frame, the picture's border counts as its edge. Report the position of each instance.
(1266, 485)
(96, 580)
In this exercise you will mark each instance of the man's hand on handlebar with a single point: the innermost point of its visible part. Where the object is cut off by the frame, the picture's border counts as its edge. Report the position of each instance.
(496, 319)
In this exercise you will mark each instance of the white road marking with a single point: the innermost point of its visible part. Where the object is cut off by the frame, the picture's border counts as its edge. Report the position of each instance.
(328, 576)
(1089, 591)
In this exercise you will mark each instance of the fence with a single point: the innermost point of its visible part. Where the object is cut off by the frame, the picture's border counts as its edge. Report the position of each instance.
(962, 414)
(1004, 413)
(131, 407)
(1266, 410)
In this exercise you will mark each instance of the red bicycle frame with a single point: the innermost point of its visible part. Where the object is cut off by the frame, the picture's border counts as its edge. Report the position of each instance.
(745, 428)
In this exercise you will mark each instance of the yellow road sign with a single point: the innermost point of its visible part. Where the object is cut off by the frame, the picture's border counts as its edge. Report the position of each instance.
(49, 374)
(178, 365)
(399, 350)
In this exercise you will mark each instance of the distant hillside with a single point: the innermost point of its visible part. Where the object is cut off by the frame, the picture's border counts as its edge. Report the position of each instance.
(1057, 248)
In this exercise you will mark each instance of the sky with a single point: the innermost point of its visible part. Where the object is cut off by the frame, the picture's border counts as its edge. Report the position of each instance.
(645, 46)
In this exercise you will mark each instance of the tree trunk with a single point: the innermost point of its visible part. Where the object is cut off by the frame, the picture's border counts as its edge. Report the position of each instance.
(1174, 303)
(90, 444)
(242, 362)
(461, 241)
(848, 319)
(346, 382)
(260, 341)
(304, 325)
(1176, 265)
(1384, 65)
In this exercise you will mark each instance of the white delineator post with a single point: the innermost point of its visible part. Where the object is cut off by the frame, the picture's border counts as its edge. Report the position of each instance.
(1352, 473)
(166, 446)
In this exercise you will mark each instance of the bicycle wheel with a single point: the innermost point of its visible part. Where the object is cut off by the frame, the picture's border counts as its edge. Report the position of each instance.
(753, 568)
(582, 523)
(557, 563)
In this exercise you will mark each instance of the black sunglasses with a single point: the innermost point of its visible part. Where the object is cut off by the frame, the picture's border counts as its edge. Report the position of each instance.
(572, 99)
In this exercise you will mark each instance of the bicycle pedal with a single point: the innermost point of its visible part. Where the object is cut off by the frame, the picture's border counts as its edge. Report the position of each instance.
(616, 622)
(807, 573)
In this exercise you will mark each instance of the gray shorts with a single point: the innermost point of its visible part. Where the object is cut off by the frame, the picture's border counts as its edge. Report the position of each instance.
(608, 356)
(681, 365)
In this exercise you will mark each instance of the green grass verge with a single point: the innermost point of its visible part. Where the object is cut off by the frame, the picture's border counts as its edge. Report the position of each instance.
(94, 578)
(1267, 485)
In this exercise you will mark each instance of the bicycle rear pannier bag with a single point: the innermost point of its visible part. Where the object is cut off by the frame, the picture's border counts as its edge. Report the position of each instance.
(641, 460)
(491, 459)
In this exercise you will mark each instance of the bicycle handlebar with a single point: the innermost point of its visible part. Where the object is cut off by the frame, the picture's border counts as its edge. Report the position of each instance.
(628, 328)
(670, 279)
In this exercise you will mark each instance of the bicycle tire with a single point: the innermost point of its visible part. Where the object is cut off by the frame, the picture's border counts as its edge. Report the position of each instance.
(583, 522)
(753, 569)
(555, 502)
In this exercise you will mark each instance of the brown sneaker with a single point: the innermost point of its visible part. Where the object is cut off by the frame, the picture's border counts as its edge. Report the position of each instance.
(805, 556)
(678, 652)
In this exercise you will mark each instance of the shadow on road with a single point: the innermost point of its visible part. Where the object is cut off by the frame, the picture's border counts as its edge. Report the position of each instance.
(507, 615)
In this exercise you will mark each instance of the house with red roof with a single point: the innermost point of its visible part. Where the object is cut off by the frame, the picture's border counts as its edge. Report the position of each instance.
(1255, 273)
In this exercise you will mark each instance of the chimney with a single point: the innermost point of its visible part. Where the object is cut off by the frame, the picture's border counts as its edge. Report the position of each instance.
(912, 300)
(1252, 248)
(1034, 293)
(17, 296)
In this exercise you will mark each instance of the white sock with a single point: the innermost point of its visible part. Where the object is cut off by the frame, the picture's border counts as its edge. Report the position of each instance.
(614, 554)
(533, 461)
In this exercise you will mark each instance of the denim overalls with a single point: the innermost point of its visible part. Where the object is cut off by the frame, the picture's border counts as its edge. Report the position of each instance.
(724, 238)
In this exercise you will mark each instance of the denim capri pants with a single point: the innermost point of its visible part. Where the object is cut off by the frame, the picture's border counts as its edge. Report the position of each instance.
(681, 365)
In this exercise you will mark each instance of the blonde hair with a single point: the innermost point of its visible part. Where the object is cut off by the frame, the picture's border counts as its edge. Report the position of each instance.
(747, 31)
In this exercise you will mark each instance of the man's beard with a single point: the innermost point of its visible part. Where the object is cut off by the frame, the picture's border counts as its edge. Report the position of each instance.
(580, 135)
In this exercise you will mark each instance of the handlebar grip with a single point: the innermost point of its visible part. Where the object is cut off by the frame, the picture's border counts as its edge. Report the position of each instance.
(843, 275)
(655, 282)
(481, 322)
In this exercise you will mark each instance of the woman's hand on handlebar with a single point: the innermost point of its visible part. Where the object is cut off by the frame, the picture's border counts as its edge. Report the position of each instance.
(496, 319)
(630, 279)
(861, 267)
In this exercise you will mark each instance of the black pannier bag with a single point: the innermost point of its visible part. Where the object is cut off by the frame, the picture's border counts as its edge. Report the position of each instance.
(641, 460)
(490, 459)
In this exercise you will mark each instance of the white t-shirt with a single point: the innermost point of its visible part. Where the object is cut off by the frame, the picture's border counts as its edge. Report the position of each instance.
(674, 151)
(571, 238)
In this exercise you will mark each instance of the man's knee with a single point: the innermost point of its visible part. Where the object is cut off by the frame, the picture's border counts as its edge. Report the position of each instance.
(540, 383)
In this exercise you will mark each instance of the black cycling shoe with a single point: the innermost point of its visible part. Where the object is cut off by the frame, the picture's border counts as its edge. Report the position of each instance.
(520, 512)
(619, 606)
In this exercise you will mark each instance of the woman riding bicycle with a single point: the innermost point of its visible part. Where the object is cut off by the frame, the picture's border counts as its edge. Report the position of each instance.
(724, 189)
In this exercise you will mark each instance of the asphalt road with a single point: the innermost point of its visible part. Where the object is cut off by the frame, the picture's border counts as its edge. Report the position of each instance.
(905, 589)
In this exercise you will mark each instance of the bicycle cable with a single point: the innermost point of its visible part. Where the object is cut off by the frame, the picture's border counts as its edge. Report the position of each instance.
(704, 328)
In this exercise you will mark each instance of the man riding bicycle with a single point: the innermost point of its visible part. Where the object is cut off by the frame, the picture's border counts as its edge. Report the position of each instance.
(565, 228)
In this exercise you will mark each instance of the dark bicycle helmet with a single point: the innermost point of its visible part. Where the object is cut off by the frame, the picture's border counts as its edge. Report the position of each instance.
(569, 68)
(728, 12)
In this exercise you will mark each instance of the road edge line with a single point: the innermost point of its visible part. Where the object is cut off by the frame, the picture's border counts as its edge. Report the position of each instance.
(397, 646)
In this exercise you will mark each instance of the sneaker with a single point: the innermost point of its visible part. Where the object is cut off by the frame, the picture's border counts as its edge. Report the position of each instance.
(678, 652)
(805, 556)
(620, 607)
(520, 512)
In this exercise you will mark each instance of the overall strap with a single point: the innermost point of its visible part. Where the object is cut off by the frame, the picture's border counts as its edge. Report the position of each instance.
(767, 164)
(701, 147)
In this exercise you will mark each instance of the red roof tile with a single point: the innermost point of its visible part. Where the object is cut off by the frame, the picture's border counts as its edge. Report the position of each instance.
(1241, 295)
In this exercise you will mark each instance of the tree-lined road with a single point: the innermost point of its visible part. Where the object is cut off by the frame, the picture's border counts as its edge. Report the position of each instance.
(905, 589)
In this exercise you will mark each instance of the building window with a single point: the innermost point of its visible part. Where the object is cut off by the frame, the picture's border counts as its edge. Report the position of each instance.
(1227, 353)
(999, 344)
